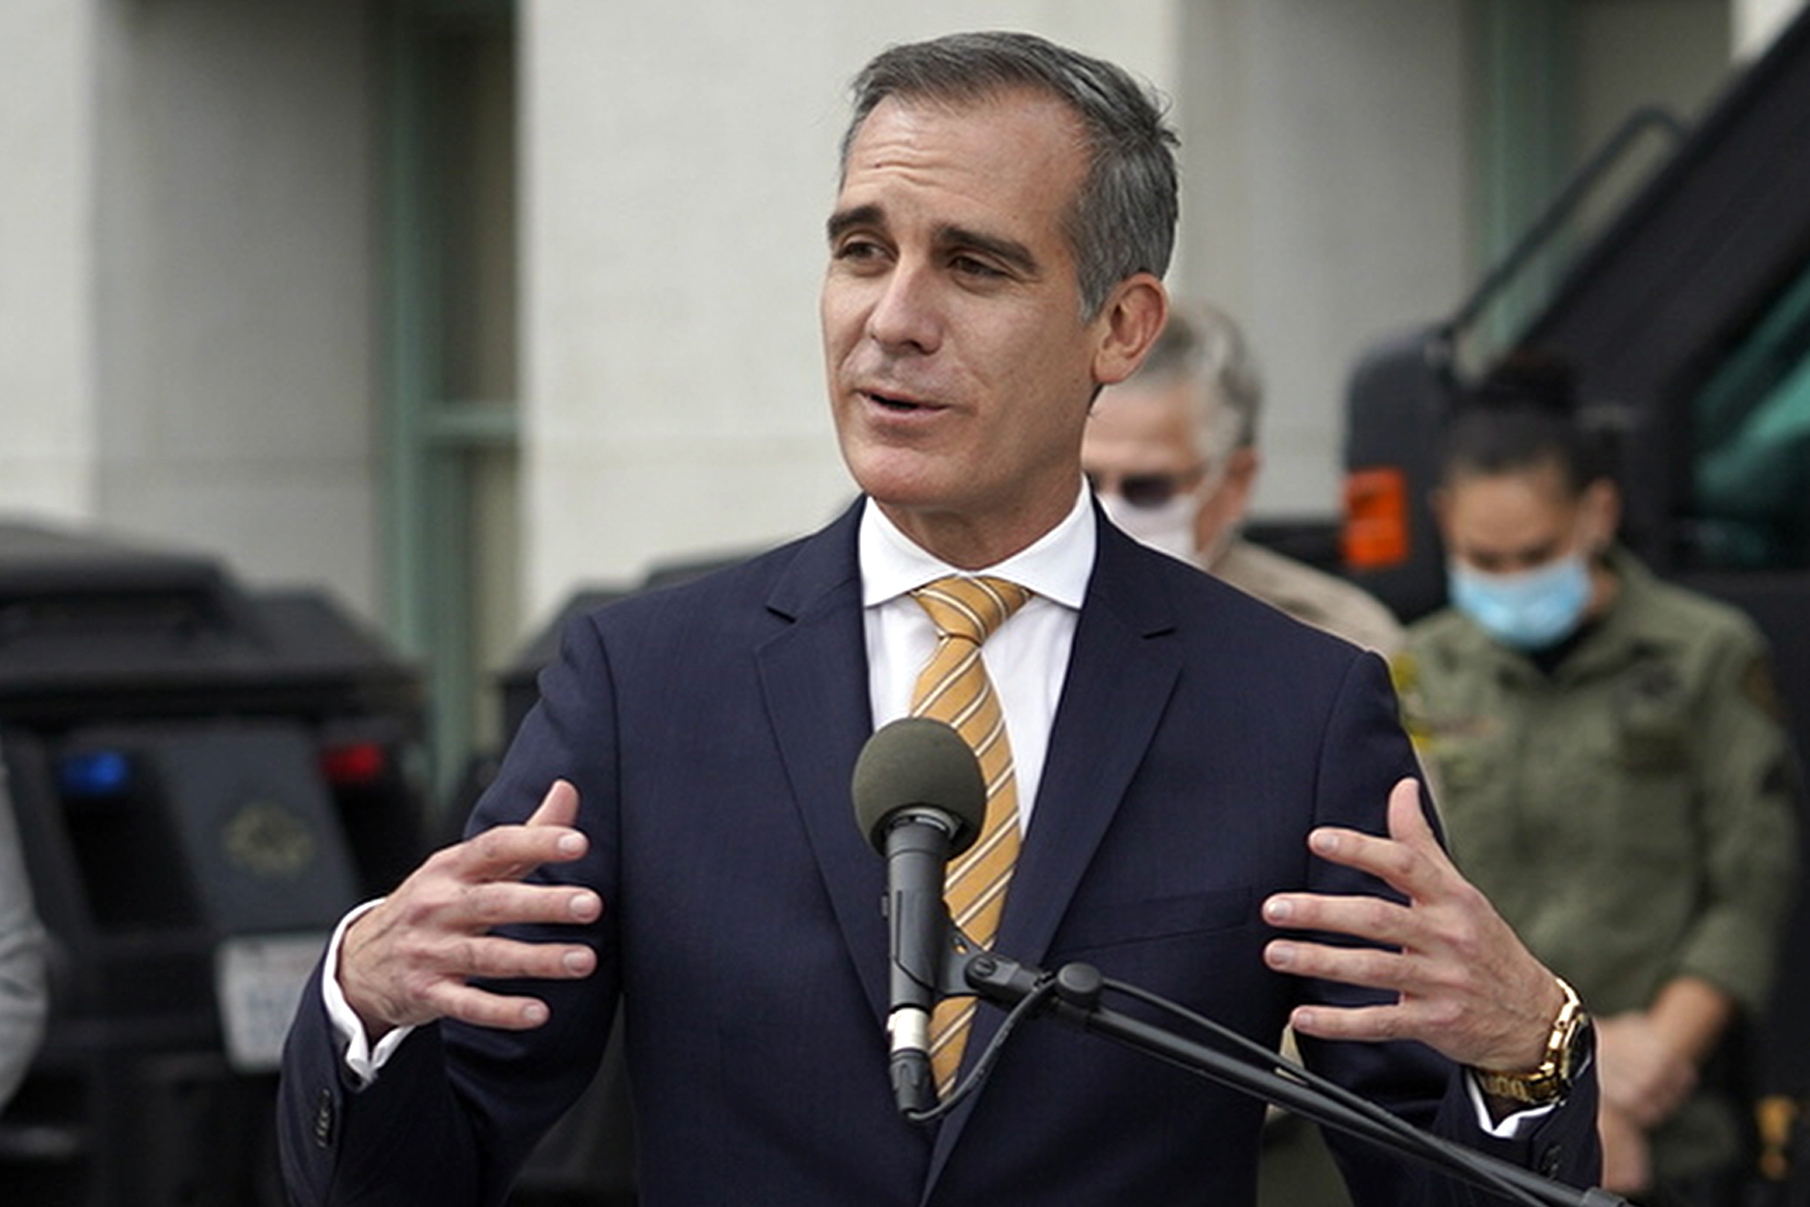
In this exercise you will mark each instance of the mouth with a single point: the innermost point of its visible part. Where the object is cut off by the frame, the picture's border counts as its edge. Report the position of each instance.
(896, 405)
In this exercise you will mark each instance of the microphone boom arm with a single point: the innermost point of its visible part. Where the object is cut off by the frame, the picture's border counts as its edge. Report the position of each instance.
(1075, 1002)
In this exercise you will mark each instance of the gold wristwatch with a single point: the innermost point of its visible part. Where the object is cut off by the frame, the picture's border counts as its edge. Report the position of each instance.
(1568, 1049)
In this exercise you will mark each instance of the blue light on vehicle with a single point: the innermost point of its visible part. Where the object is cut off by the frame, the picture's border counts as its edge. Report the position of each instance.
(91, 774)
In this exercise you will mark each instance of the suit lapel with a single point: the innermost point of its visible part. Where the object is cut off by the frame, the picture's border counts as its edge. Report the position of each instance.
(814, 680)
(1120, 677)
(1121, 674)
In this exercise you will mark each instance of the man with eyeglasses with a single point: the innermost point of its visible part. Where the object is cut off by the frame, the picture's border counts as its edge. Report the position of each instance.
(1172, 454)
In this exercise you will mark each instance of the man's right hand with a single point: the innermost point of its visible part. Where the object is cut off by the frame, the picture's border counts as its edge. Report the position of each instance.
(409, 959)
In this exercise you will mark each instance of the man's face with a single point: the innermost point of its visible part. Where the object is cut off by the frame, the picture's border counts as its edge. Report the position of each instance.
(1139, 444)
(959, 366)
(1144, 455)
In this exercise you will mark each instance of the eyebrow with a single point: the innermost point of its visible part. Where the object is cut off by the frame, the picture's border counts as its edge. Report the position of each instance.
(1010, 251)
(843, 221)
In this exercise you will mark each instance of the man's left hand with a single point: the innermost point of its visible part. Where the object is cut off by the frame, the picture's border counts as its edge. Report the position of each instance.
(1466, 985)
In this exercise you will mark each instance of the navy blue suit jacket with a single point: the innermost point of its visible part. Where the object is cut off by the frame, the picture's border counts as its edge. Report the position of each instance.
(711, 731)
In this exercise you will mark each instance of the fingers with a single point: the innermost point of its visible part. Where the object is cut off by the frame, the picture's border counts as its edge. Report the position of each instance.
(1462, 981)
(1372, 968)
(1371, 918)
(408, 961)
(558, 808)
(482, 1009)
(472, 908)
(1366, 1023)
(1410, 859)
(1412, 862)
(511, 852)
(490, 958)
(1408, 821)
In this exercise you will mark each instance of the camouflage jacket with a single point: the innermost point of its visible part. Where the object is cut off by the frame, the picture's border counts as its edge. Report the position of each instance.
(1632, 813)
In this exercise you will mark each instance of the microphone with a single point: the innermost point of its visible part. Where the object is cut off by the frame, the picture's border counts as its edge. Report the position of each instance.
(920, 799)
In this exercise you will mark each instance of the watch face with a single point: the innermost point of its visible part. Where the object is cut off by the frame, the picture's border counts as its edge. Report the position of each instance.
(1580, 1049)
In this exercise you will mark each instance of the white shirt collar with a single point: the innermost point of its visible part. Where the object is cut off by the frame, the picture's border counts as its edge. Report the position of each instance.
(1056, 566)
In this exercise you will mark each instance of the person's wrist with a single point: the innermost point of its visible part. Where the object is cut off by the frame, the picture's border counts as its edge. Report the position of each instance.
(352, 989)
(1567, 1049)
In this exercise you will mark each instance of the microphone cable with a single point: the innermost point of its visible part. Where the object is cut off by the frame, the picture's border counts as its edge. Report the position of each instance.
(983, 1067)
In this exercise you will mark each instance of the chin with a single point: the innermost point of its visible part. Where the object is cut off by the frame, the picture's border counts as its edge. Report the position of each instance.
(902, 493)
(895, 476)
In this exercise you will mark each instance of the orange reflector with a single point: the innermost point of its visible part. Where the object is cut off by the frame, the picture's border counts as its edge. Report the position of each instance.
(1376, 519)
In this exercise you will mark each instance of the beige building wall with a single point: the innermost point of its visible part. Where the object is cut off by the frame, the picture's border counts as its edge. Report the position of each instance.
(679, 164)
(236, 275)
(187, 336)
(47, 199)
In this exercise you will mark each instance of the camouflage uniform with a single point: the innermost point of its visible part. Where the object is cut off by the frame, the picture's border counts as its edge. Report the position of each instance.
(1631, 813)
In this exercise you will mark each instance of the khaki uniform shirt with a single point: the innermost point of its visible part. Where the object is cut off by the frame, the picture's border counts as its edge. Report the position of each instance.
(1632, 814)
(1313, 597)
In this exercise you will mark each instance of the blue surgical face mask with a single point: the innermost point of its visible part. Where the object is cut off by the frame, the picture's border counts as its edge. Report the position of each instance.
(1529, 610)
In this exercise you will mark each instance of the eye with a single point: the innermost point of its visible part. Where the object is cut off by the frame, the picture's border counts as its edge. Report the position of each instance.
(857, 250)
(971, 266)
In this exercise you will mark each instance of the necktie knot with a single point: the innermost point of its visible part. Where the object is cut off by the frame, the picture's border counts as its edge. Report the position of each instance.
(970, 608)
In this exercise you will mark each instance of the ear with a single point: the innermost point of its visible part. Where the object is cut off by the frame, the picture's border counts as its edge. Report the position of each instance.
(1128, 324)
(1223, 510)
(1601, 509)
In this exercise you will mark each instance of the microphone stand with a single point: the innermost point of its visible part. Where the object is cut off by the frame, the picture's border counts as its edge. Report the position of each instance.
(1073, 998)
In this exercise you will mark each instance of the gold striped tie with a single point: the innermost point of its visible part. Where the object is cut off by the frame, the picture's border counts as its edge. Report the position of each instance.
(954, 688)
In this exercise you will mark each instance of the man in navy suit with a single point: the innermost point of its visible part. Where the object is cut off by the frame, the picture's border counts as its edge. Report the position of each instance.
(1208, 792)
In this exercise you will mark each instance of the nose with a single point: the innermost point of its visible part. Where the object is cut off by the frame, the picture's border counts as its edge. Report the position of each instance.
(904, 315)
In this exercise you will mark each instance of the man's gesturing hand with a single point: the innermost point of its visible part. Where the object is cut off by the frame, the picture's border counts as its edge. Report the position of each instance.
(1466, 984)
(407, 961)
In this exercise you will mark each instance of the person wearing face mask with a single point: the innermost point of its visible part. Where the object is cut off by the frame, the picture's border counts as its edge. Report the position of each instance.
(1172, 455)
(1613, 773)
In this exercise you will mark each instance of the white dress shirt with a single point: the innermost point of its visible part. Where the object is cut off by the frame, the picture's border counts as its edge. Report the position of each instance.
(1026, 658)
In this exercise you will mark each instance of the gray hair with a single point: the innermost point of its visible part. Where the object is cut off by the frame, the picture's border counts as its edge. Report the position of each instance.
(1122, 221)
(1202, 345)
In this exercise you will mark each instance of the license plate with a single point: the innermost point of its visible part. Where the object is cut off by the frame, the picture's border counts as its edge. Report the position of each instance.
(258, 980)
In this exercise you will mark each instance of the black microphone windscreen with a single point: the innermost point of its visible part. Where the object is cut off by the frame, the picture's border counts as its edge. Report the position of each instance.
(918, 761)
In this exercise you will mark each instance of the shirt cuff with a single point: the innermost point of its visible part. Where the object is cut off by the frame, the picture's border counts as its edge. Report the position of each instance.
(364, 1060)
(1512, 1127)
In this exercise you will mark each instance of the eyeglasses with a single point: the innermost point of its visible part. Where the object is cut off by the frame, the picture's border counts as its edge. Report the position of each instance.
(1146, 491)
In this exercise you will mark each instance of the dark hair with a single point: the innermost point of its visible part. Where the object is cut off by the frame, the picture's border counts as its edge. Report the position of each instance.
(1523, 415)
(1122, 221)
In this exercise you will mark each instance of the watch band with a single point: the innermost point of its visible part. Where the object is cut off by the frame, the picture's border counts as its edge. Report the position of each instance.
(1551, 1079)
